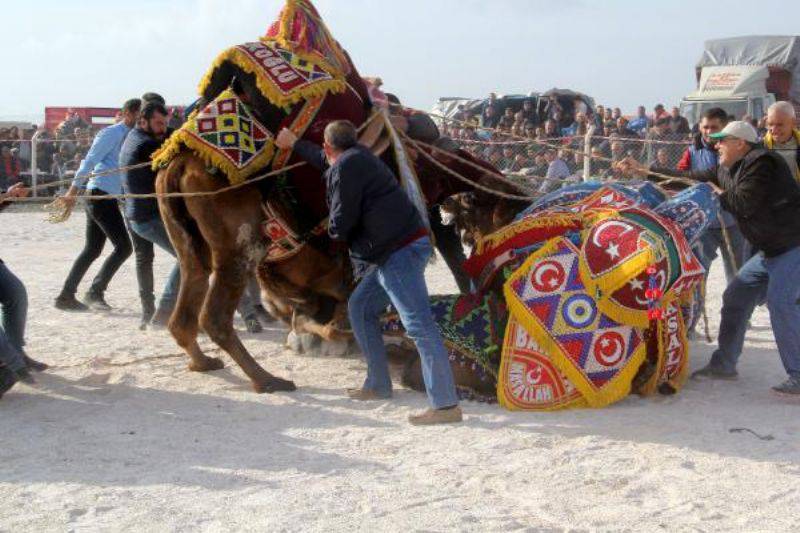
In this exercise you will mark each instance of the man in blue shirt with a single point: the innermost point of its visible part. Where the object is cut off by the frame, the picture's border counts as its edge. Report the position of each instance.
(639, 124)
(103, 217)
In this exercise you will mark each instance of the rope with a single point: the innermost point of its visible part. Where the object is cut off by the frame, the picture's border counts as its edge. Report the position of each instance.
(665, 177)
(455, 174)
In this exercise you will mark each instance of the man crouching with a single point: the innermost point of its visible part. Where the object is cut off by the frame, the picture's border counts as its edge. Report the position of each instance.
(389, 248)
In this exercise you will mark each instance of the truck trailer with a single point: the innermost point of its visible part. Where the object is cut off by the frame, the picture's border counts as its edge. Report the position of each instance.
(744, 76)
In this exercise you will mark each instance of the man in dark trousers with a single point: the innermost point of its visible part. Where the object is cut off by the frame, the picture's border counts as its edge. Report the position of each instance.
(389, 248)
(142, 213)
(103, 218)
(763, 196)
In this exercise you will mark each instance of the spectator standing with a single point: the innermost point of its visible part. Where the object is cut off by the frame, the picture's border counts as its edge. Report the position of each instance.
(783, 136)
(490, 118)
(659, 112)
(640, 122)
(679, 124)
(10, 167)
(103, 217)
(557, 171)
(702, 157)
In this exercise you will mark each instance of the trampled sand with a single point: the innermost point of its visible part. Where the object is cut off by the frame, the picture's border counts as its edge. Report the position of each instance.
(119, 436)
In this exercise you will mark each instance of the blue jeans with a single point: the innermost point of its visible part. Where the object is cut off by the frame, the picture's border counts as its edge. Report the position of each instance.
(155, 232)
(777, 278)
(401, 281)
(14, 301)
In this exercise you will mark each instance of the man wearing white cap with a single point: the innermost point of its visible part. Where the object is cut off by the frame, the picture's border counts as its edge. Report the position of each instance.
(761, 193)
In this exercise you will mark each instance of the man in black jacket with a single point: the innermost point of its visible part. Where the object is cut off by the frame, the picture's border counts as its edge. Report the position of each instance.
(389, 248)
(761, 193)
(142, 214)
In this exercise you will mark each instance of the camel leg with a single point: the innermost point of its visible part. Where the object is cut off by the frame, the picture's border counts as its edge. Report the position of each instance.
(183, 325)
(227, 283)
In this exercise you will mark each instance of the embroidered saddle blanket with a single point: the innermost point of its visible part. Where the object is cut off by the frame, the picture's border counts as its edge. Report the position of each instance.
(226, 135)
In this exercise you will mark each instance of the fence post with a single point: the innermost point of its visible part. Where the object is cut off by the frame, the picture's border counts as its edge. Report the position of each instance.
(35, 163)
(587, 153)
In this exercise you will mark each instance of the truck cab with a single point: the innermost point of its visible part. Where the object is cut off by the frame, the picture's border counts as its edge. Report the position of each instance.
(740, 90)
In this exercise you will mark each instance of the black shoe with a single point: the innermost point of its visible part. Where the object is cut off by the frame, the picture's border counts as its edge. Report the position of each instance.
(147, 315)
(252, 324)
(96, 301)
(36, 366)
(713, 372)
(70, 303)
(7, 380)
(25, 377)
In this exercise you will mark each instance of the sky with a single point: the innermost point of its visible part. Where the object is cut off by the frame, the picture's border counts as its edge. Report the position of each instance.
(621, 52)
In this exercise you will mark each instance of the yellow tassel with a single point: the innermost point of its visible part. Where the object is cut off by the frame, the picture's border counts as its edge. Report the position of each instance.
(266, 85)
(613, 391)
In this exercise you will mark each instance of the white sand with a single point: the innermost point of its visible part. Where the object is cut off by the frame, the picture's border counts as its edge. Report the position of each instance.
(120, 436)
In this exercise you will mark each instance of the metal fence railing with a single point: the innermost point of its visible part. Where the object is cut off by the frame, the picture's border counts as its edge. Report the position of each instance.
(567, 159)
(42, 160)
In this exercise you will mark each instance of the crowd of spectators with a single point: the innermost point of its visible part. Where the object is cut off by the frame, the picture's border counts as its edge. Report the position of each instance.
(546, 137)
(59, 151)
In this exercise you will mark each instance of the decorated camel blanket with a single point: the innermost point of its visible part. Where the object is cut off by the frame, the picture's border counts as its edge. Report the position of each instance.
(295, 66)
(593, 288)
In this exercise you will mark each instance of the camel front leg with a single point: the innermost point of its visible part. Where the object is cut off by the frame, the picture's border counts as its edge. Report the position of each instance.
(227, 284)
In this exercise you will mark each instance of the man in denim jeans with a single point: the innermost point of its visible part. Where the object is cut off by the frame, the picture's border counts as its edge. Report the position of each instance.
(15, 365)
(389, 248)
(142, 213)
(760, 191)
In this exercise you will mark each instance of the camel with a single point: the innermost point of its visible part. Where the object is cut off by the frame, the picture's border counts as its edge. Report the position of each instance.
(219, 239)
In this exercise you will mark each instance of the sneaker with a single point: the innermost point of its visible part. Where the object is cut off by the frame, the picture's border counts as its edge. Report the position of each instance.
(7, 380)
(366, 395)
(36, 366)
(714, 372)
(790, 387)
(96, 301)
(432, 417)
(70, 303)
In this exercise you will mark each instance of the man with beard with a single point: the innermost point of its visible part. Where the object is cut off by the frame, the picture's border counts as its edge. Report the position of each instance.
(142, 213)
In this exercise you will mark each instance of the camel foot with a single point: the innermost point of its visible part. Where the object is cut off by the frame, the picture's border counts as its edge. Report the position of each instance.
(274, 384)
(206, 365)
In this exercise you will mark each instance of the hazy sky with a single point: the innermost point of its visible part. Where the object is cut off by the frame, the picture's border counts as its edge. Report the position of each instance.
(622, 52)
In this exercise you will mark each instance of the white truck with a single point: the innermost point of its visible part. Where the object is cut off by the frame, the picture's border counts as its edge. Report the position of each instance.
(744, 76)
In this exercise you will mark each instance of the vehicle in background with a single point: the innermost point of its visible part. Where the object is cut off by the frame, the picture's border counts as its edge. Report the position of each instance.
(744, 76)
(448, 106)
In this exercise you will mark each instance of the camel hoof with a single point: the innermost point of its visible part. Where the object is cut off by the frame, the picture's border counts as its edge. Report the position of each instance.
(208, 365)
(302, 343)
(274, 384)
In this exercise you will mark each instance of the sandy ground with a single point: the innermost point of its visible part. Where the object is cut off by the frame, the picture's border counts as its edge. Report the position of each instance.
(120, 436)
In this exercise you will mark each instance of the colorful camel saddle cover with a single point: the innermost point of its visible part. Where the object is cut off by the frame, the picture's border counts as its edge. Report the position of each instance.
(283, 76)
(528, 380)
(226, 135)
(597, 354)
